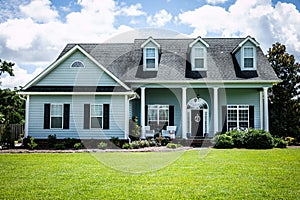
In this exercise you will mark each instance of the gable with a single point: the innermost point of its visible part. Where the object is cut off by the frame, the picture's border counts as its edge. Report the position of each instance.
(65, 75)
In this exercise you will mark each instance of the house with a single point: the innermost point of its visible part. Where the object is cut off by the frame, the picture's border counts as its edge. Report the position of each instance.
(201, 86)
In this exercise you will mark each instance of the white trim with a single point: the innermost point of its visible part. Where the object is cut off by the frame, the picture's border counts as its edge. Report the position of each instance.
(145, 68)
(248, 38)
(243, 68)
(126, 119)
(203, 81)
(65, 56)
(237, 114)
(150, 39)
(193, 58)
(78, 93)
(96, 116)
(261, 110)
(198, 39)
(62, 115)
(27, 116)
(266, 109)
(183, 113)
(143, 112)
(216, 106)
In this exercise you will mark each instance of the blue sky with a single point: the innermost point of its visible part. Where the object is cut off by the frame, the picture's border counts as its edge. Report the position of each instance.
(34, 32)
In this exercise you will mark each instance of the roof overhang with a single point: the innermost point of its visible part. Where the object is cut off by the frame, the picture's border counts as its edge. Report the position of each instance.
(198, 39)
(248, 38)
(150, 39)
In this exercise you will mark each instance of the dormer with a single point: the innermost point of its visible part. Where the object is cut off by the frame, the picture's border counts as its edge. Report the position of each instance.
(198, 54)
(245, 54)
(150, 54)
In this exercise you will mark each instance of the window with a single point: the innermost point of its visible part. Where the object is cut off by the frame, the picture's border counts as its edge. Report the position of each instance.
(237, 117)
(77, 64)
(150, 58)
(199, 58)
(158, 115)
(96, 116)
(56, 116)
(249, 58)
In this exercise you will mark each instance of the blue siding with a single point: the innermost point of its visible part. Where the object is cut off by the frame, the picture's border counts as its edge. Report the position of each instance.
(241, 97)
(117, 113)
(90, 75)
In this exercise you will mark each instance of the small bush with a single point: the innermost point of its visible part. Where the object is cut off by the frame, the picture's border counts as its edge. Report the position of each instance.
(152, 143)
(59, 147)
(115, 141)
(78, 145)
(144, 143)
(29, 142)
(70, 142)
(280, 143)
(238, 137)
(102, 145)
(290, 140)
(173, 145)
(126, 146)
(51, 141)
(258, 139)
(223, 141)
(135, 145)
(164, 141)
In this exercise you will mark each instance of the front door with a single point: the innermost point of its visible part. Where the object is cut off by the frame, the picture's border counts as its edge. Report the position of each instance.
(197, 123)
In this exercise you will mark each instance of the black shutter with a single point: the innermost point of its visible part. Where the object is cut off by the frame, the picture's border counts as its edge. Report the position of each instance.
(251, 116)
(66, 116)
(105, 116)
(146, 115)
(171, 115)
(224, 118)
(86, 114)
(47, 116)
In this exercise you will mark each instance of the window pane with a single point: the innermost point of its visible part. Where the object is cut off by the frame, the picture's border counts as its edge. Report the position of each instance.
(232, 125)
(150, 63)
(248, 62)
(243, 125)
(243, 115)
(56, 122)
(56, 110)
(96, 110)
(96, 122)
(152, 114)
(248, 52)
(199, 63)
(232, 115)
(199, 52)
(163, 115)
(150, 52)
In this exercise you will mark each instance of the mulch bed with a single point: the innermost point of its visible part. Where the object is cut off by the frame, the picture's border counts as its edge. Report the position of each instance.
(147, 149)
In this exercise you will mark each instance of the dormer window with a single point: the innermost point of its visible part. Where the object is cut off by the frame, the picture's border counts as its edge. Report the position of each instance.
(150, 54)
(77, 64)
(150, 58)
(198, 54)
(248, 57)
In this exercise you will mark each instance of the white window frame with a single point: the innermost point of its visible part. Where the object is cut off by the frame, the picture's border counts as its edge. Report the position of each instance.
(158, 107)
(83, 66)
(96, 116)
(238, 108)
(145, 57)
(194, 57)
(253, 57)
(61, 115)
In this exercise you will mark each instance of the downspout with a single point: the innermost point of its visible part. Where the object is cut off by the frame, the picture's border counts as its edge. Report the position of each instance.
(26, 114)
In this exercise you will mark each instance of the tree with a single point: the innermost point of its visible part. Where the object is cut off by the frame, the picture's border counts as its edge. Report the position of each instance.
(284, 104)
(11, 105)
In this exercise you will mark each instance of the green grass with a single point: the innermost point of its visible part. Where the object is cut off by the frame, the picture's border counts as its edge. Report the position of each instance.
(205, 174)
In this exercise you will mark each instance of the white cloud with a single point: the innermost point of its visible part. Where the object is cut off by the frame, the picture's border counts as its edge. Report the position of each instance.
(20, 79)
(40, 11)
(159, 19)
(216, 1)
(257, 18)
(132, 10)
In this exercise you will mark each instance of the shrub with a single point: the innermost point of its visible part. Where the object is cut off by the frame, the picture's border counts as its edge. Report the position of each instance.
(280, 143)
(238, 138)
(78, 145)
(115, 141)
(59, 147)
(126, 146)
(144, 143)
(223, 141)
(29, 142)
(152, 143)
(258, 139)
(70, 142)
(290, 140)
(164, 141)
(102, 145)
(51, 140)
(135, 145)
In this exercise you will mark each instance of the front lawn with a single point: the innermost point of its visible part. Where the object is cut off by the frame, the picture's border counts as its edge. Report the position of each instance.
(204, 174)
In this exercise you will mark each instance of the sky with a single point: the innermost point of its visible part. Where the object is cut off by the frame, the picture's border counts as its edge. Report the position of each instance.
(34, 32)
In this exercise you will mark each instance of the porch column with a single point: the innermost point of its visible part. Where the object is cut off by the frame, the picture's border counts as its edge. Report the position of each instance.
(216, 116)
(183, 113)
(126, 134)
(27, 116)
(266, 109)
(142, 112)
(261, 110)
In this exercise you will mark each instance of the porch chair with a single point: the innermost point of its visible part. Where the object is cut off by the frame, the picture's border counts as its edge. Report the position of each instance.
(149, 133)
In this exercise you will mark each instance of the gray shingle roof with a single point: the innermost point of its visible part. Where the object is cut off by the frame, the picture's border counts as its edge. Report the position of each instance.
(124, 60)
